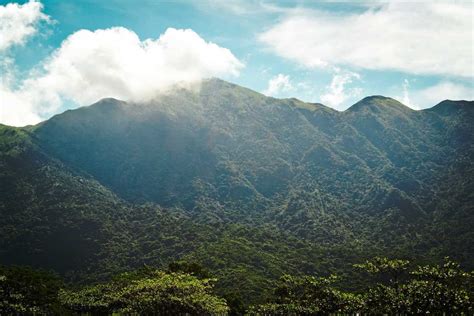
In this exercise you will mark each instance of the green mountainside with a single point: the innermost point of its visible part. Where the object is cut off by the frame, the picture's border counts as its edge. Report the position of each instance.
(56, 218)
(250, 187)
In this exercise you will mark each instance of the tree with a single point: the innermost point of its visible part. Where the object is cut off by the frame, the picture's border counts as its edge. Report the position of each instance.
(385, 296)
(389, 271)
(24, 290)
(427, 289)
(308, 295)
(193, 268)
(442, 288)
(148, 292)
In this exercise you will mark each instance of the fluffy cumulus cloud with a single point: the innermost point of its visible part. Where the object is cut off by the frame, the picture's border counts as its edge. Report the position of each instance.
(277, 85)
(18, 22)
(337, 92)
(114, 62)
(417, 38)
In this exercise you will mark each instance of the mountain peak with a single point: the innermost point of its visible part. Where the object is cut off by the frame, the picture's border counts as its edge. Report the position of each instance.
(109, 102)
(375, 103)
(448, 107)
(216, 85)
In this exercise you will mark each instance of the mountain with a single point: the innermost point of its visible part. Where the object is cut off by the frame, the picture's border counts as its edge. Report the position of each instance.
(54, 217)
(249, 186)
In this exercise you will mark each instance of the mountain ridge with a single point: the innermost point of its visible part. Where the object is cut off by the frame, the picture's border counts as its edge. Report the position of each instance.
(245, 184)
(362, 103)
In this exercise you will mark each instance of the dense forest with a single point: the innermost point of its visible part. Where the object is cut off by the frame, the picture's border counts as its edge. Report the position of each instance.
(188, 289)
(220, 200)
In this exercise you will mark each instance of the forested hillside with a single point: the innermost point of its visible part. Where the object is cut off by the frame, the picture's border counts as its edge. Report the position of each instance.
(249, 187)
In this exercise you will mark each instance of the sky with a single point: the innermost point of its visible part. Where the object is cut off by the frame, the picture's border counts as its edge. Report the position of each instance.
(58, 54)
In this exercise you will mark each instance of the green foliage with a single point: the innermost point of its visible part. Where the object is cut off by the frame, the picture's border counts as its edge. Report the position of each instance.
(432, 289)
(308, 295)
(189, 267)
(27, 291)
(384, 265)
(388, 270)
(156, 293)
(429, 289)
(446, 288)
(248, 187)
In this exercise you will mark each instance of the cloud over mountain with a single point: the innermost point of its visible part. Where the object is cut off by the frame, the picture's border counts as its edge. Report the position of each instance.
(114, 62)
(336, 93)
(277, 84)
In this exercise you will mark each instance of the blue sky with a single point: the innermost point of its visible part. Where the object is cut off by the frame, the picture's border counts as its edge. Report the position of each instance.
(329, 52)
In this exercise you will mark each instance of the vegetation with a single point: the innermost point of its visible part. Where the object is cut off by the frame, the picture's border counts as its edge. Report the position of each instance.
(401, 288)
(147, 292)
(308, 295)
(433, 289)
(250, 188)
(25, 291)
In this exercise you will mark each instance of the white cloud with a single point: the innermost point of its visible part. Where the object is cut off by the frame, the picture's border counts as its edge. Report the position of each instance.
(406, 96)
(419, 38)
(18, 22)
(113, 63)
(14, 110)
(430, 96)
(277, 85)
(336, 93)
(240, 7)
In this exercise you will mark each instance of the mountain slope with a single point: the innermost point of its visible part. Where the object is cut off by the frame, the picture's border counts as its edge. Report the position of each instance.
(237, 149)
(45, 208)
(294, 186)
(56, 218)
